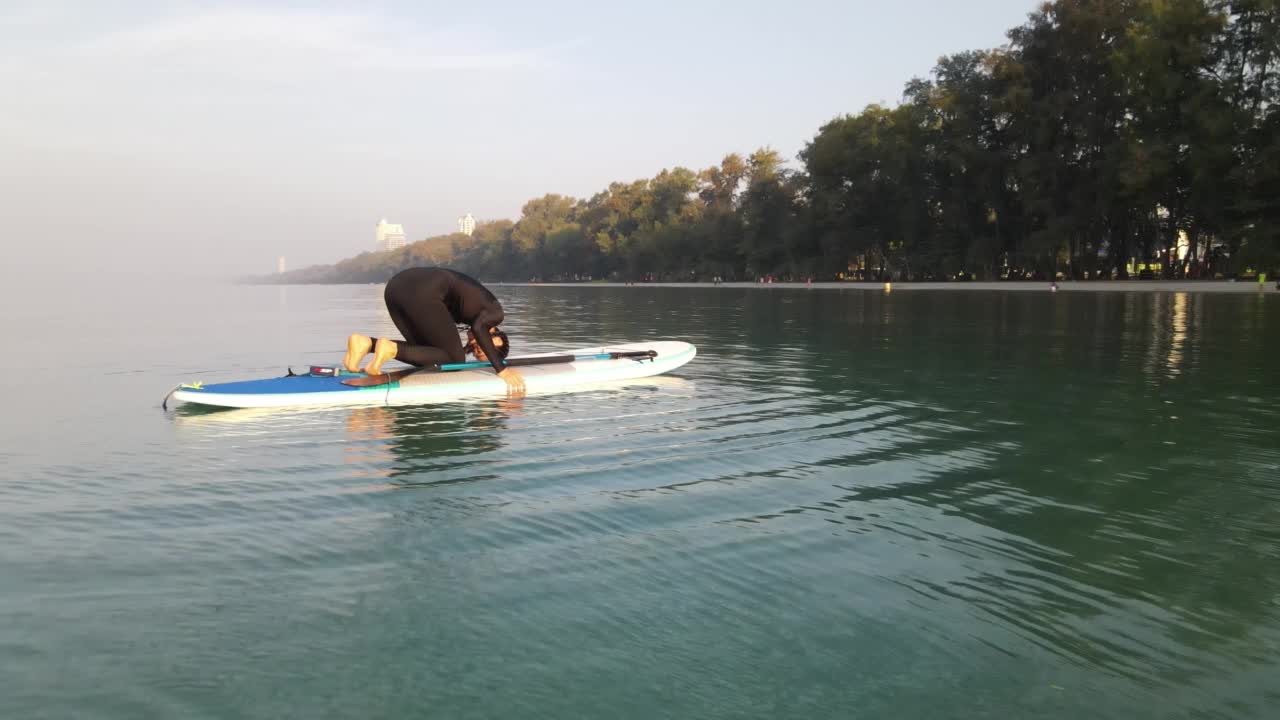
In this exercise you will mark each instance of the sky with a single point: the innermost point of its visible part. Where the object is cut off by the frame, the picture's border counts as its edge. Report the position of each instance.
(209, 138)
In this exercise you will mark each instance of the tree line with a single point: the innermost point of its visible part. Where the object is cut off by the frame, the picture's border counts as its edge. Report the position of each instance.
(1106, 139)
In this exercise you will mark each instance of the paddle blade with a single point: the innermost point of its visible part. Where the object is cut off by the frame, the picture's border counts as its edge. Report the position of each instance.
(383, 379)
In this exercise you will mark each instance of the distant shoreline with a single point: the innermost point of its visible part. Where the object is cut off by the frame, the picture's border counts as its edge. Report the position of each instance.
(1143, 286)
(1197, 286)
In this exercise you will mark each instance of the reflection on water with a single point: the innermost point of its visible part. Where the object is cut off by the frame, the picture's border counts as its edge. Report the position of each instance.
(1179, 336)
(368, 432)
(851, 504)
(405, 442)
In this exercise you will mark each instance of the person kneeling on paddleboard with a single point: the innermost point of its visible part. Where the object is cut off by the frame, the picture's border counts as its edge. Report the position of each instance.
(427, 305)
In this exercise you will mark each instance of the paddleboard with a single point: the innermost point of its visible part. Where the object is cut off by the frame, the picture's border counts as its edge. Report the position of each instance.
(443, 386)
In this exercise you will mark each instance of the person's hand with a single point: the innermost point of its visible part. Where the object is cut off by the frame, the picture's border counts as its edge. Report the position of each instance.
(515, 382)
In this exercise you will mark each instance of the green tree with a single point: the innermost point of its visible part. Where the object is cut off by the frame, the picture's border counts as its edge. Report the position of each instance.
(1101, 135)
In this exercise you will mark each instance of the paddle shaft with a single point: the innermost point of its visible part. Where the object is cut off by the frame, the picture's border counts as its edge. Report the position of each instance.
(548, 360)
(398, 375)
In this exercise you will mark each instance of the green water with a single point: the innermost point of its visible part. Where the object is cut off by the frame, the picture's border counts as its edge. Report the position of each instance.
(932, 505)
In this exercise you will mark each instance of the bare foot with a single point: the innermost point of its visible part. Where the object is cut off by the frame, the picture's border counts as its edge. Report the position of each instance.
(385, 350)
(357, 347)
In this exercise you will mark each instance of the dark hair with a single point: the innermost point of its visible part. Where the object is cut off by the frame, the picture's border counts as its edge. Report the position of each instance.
(505, 348)
(472, 347)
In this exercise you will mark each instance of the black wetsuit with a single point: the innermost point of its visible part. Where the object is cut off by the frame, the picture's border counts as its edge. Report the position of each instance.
(427, 305)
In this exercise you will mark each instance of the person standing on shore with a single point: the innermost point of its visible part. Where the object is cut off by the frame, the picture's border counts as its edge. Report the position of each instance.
(427, 305)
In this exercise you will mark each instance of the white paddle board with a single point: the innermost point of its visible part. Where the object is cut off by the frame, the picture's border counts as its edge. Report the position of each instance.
(430, 386)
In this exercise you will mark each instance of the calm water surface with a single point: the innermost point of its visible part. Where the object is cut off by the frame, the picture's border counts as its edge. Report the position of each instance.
(933, 505)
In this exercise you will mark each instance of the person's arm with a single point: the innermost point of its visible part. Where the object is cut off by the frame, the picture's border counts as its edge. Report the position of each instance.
(487, 319)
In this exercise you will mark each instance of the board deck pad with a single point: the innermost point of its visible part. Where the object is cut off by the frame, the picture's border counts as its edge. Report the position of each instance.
(436, 386)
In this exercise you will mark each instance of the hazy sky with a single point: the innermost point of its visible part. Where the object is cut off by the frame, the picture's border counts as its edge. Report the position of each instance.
(209, 137)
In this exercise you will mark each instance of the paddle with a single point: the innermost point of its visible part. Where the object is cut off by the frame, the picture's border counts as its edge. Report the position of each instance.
(397, 375)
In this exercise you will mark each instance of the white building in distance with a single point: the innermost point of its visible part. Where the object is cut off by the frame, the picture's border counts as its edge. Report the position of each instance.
(466, 224)
(280, 265)
(388, 236)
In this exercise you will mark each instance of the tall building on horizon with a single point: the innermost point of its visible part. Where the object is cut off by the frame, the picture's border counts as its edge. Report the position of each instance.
(280, 265)
(466, 224)
(388, 236)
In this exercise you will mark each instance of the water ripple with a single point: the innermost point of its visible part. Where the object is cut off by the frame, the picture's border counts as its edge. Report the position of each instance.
(926, 504)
